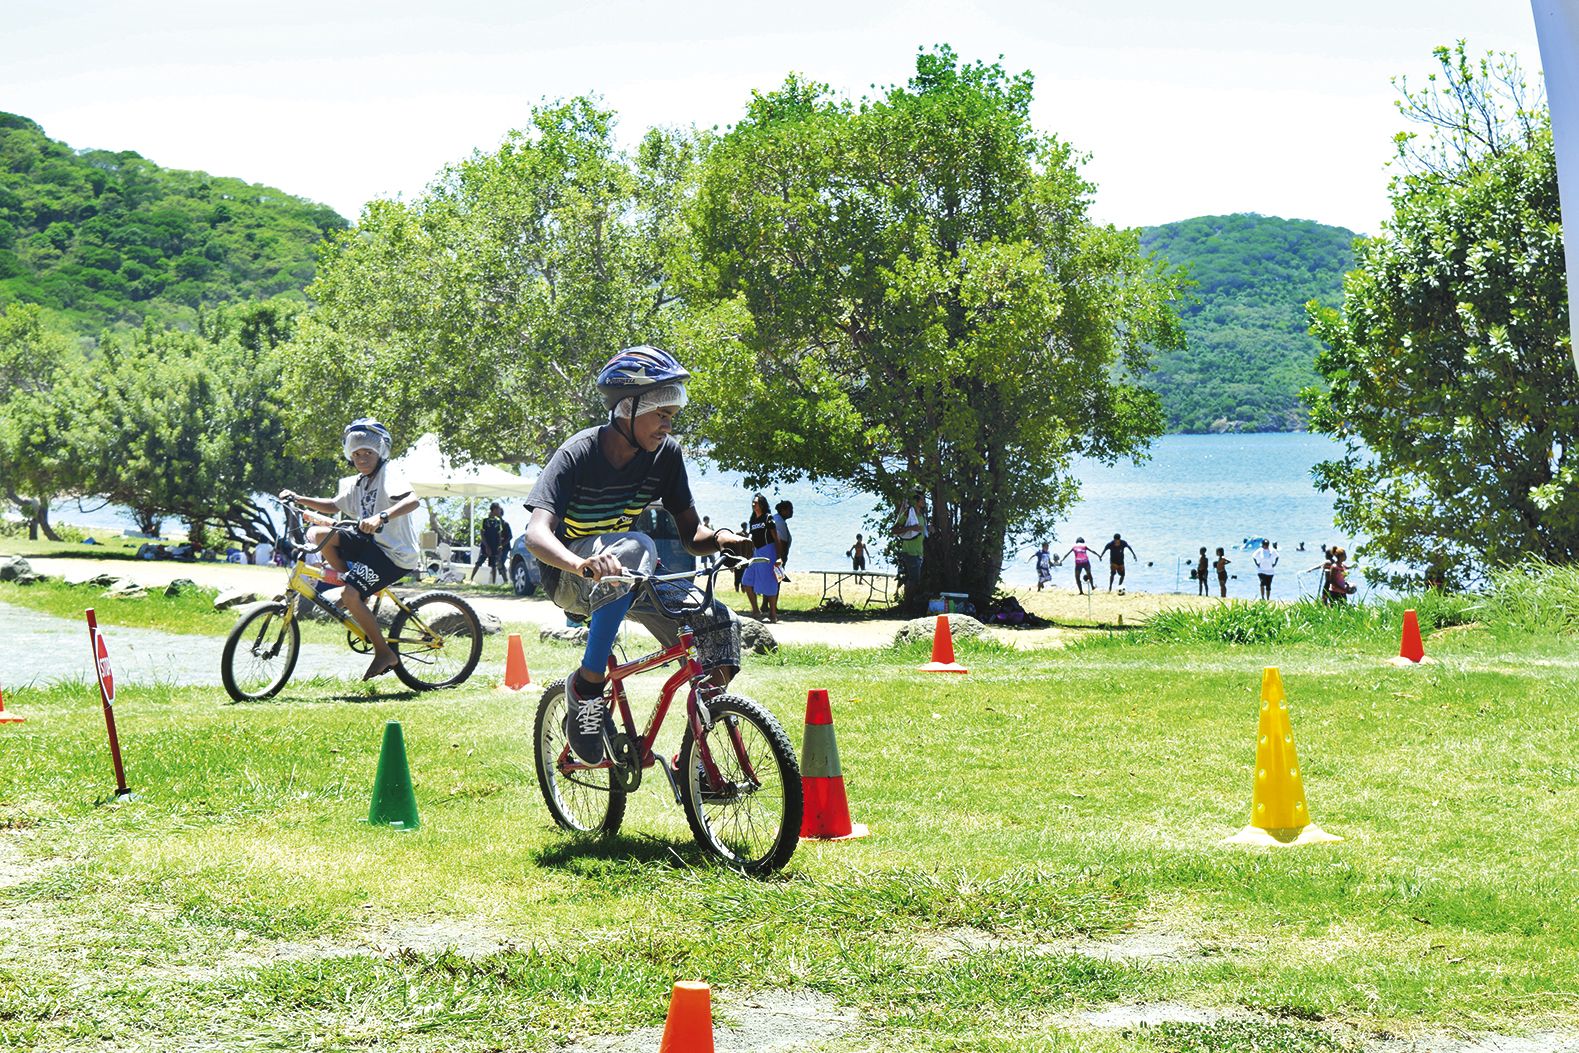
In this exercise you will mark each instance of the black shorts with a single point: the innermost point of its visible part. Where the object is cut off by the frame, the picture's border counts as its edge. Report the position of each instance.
(368, 567)
(1266, 579)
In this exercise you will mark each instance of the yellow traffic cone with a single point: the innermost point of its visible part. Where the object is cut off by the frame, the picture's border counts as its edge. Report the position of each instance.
(1278, 815)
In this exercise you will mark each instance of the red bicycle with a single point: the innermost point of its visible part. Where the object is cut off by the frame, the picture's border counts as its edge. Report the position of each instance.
(736, 774)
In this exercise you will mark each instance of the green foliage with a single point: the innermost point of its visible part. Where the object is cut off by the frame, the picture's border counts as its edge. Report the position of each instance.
(1248, 351)
(112, 240)
(1451, 379)
(1533, 597)
(481, 310)
(192, 425)
(908, 294)
(1309, 621)
(40, 397)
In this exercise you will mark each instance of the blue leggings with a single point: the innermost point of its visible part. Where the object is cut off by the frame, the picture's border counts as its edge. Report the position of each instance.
(602, 627)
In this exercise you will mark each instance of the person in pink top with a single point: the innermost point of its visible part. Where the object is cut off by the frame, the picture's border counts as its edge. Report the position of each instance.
(1082, 556)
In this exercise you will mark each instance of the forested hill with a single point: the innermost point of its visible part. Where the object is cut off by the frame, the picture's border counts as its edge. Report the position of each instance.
(112, 239)
(1248, 352)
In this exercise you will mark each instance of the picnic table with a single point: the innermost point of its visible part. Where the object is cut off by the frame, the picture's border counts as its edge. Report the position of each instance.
(868, 588)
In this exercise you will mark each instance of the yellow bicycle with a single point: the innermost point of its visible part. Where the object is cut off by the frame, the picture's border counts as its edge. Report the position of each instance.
(436, 634)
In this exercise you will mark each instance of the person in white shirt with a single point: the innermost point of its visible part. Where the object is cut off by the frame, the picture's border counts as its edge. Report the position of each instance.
(782, 511)
(1265, 560)
(382, 548)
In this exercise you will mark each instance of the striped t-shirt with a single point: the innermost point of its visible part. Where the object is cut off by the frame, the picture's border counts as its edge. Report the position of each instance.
(589, 496)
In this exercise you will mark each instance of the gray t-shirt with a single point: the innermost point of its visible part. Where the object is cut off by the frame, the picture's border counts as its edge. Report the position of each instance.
(361, 496)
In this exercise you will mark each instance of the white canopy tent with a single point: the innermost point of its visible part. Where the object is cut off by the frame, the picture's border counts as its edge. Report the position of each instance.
(432, 474)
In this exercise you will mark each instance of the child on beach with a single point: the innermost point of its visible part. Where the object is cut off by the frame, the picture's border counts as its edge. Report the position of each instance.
(856, 554)
(1082, 556)
(1044, 566)
(1202, 588)
(1222, 573)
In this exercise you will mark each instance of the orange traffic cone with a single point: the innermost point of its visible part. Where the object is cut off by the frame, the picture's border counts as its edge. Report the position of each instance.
(943, 650)
(689, 1028)
(1278, 815)
(827, 814)
(1411, 650)
(8, 718)
(516, 675)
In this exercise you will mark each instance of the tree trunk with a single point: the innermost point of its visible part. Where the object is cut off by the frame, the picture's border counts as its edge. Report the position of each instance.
(41, 522)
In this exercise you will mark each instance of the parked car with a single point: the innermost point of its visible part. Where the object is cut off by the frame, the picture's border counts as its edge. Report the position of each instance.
(655, 522)
(525, 577)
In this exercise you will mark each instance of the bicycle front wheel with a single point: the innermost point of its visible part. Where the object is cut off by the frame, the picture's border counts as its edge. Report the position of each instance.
(749, 814)
(260, 653)
(583, 799)
(439, 641)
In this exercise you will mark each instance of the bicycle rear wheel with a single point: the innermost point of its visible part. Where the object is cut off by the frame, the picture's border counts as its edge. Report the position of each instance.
(583, 800)
(440, 646)
(750, 815)
(260, 653)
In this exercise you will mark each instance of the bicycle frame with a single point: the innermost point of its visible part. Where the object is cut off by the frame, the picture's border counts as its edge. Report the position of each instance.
(691, 673)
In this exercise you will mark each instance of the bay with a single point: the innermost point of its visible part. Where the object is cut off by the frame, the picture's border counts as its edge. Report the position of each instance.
(1194, 491)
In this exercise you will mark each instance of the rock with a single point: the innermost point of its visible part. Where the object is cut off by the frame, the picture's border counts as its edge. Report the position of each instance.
(961, 627)
(755, 637)
(104, 581)
(234, 598)
(576, 634)
(78, 577)
(125, 590)
(14, 567)
(179, 586)
(491, 625)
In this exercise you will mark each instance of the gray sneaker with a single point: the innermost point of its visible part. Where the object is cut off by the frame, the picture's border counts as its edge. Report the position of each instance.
(586, 723)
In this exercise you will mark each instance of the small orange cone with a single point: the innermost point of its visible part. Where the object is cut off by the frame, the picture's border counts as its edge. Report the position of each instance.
(943, 650)
(8, 718)
(516, 675)
(1411, 650)
(689, 1028)
(827, 812)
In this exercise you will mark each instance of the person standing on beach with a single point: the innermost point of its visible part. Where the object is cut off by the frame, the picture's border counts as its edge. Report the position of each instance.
(856, 554)
(1265, 560)
(1114, 551)
(1222, 573)
(1082, 556)
(761, 579)
(1044, 566)
(782, 511)
(1202, 582)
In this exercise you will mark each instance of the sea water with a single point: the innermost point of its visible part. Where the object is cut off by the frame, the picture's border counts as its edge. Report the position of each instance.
(1193, 491)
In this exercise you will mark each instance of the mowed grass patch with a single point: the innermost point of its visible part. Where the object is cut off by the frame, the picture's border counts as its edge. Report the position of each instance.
(1042, 799)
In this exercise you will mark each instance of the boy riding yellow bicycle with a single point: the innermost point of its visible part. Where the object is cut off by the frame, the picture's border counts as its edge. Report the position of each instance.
(383, 547)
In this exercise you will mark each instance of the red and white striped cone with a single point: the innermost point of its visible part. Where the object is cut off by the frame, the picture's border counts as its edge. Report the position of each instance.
(827, 813)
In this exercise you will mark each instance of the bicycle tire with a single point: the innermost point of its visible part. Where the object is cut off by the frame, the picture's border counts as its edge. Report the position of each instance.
(754, 826)
(266, 627)
(583, 802)
(426, 669)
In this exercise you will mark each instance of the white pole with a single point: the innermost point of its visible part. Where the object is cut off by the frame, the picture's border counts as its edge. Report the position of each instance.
(1557, 29)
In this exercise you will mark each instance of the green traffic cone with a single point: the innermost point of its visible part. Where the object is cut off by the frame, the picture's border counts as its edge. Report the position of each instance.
(394, 803)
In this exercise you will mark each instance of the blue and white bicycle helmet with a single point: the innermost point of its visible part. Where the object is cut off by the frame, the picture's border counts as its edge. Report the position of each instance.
(636, 375)
(367, 433)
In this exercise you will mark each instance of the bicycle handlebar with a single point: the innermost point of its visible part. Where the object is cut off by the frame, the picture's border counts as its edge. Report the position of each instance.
(294, 514)
(636, 581)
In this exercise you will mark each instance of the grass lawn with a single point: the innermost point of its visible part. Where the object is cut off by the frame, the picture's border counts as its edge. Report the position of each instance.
(1036, 827)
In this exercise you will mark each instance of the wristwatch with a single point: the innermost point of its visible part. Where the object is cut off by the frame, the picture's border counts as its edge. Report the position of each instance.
(383, 517)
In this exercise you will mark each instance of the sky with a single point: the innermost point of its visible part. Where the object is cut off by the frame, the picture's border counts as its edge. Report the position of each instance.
(1280, 108)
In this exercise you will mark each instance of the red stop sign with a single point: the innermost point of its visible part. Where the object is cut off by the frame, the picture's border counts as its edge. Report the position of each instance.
(106, 678)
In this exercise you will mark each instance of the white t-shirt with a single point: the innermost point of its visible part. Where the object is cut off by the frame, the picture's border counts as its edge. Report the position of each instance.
(782, 528)
(361, 496)
(1265, 560)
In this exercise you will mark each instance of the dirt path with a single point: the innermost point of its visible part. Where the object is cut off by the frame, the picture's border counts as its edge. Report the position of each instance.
(1066, 609)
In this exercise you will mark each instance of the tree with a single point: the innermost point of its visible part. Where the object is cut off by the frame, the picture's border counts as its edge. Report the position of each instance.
(192, 425)
(481, 311)
(909, 294)
(41, 374)
(1451, 382)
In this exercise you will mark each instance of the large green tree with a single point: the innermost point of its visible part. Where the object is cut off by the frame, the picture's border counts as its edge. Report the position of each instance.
(192, 425)
(481, 310)
(1450, 375)
(908, 293)
(41, 377)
